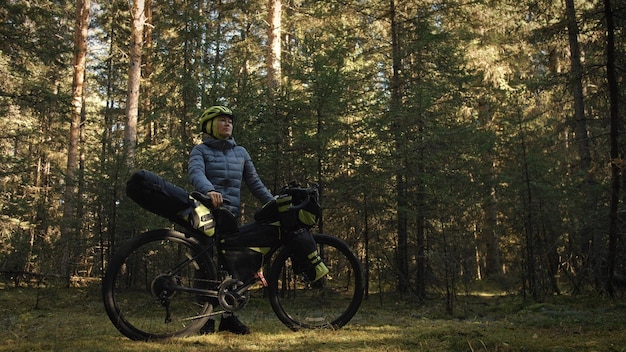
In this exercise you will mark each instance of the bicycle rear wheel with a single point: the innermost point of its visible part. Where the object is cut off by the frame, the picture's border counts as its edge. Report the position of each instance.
(328, 303)
(152, 286)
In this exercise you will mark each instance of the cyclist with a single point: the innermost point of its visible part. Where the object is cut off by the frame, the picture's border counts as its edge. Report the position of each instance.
(217, 168)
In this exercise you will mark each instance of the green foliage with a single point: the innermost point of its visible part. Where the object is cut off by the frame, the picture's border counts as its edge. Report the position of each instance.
(480, 138)
(34, 58)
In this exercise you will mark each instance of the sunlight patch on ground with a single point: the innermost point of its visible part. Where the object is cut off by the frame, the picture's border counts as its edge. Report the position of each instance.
(485, 294)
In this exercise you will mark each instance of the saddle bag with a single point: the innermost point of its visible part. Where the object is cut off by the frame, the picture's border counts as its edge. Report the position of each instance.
(165, 199)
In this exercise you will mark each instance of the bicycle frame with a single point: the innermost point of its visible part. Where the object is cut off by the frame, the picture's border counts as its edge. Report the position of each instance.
(229, 292)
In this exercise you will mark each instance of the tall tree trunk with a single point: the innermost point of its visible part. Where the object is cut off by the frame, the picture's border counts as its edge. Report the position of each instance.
(487, 239)
(366, 244)
(617, 155)
(396, 105)
(134, 79)
(320, 157)
(274, 46)
(587, 245)
(531, 280)
(69, 227)
(217, 50)
(420, 239)
(188, 97)
(280, 123)
(146, 104)
(107, 208)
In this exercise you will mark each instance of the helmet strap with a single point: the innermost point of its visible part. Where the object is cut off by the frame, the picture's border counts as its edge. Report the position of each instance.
(213, 130)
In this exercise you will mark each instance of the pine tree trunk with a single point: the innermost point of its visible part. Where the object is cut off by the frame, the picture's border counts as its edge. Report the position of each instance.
(396, 105)
(617, 155)
(589, 237)
(69, 227)
(487, 240)
(274, 46)
(274, 82)
(134, 79)
(146, 104)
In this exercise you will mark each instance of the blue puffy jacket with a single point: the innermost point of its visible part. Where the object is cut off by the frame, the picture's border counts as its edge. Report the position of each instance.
(221, 165)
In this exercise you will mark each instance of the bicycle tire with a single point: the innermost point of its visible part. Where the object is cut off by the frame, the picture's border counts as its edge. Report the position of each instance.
(139, 290)
(328, 303)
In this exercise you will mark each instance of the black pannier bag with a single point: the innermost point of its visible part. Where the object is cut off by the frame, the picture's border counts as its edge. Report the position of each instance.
(165, 199)
(297, 209)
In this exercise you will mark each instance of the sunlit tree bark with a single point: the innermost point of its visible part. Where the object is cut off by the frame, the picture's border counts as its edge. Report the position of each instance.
(274, 45)
(134, 79)
(70, 223)
(146, 100)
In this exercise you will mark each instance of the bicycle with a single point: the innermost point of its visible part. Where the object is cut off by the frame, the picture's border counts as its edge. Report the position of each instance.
(167, 283)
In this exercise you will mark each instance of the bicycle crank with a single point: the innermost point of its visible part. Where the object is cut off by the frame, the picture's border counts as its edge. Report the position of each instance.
(231, 296)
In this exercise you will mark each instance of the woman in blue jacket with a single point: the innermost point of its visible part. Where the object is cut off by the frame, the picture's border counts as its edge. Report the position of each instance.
(218, 165)
(217, 168)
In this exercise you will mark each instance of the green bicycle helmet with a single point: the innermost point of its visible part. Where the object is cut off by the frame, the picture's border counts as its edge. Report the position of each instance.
(211, 113)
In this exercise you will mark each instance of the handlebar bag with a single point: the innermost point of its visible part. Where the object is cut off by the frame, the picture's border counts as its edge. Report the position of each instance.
(295, 208)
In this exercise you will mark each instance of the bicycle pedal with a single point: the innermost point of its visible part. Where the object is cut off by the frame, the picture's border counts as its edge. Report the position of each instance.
(260, 278)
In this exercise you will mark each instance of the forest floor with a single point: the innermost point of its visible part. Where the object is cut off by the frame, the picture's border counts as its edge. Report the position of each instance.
(73, 319)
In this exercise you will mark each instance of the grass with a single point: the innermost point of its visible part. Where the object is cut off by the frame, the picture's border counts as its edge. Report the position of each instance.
(74, 320)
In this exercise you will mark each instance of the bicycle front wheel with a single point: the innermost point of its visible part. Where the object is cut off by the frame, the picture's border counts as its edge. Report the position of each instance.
(328, 303)
(155, 286)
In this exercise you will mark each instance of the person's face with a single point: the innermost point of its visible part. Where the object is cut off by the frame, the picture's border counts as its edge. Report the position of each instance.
(224, 126)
